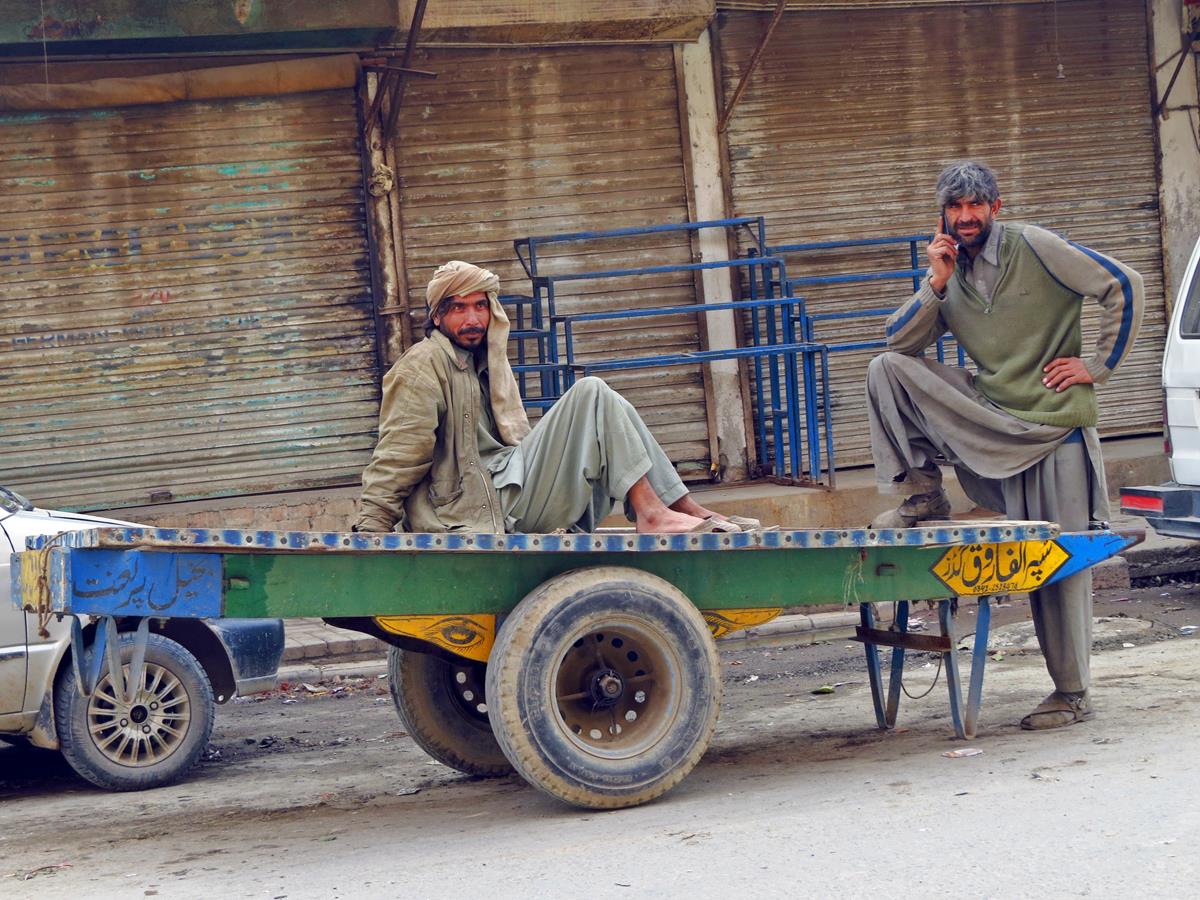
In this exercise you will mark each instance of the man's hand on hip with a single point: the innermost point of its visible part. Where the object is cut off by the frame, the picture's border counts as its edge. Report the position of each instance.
(1065, 371)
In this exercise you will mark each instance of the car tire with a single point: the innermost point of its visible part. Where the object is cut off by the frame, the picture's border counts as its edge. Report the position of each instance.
(150, 743)
(441, 705)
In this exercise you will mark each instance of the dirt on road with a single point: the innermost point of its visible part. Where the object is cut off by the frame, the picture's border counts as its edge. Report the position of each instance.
(315, 790)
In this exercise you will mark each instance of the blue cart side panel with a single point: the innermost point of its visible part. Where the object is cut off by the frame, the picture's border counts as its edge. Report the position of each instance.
(141, 583)
(1086, 548)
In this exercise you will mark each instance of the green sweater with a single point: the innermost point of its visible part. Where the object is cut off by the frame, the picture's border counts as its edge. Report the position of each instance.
(1031, 319)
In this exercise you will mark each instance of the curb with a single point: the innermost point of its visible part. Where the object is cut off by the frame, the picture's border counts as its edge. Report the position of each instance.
(798, 628)
(314, 672)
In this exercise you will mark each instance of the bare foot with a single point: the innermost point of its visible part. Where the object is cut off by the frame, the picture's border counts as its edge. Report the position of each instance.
(666, 521)
(687, 505)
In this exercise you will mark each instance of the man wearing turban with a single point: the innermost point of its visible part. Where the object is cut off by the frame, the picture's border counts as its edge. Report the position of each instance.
(456, 452)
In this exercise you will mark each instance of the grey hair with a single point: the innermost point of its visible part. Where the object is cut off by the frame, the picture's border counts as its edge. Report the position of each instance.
(967, 179)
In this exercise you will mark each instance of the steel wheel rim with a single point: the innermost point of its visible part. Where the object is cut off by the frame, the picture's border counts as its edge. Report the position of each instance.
(147, 731)
(465, 683)
(646, 672)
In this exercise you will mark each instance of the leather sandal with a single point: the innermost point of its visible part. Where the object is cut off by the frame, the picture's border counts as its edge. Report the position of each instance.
(1057, 711)
(714, 525)
(743, 523)
(917, 508)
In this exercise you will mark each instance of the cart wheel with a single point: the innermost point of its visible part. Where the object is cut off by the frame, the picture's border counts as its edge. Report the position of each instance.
(604, 686)
(441, 704)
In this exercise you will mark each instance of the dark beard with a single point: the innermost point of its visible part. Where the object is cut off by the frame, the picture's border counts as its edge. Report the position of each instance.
(978, 240)
(479, 348)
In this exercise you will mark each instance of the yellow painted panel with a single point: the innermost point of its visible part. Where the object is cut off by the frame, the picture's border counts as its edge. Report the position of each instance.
(1012, 567)
(723, 621)
(469, 636)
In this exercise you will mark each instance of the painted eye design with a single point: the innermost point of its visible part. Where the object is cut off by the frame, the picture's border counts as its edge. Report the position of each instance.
(719, 624)
(457, 631)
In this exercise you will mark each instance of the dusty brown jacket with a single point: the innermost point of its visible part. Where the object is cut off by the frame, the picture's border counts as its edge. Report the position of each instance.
(426, 473)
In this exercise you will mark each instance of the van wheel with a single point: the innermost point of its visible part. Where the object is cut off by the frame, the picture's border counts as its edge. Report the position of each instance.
(148, 743)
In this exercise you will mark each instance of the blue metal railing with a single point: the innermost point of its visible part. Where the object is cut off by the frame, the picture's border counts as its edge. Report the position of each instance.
(763, 271)
(527, 326)
(529, 261)
(914, 273)
(543, 328)
(775, 402)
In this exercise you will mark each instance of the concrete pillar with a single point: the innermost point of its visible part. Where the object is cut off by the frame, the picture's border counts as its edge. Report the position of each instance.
(702, 115)
(1179, 189)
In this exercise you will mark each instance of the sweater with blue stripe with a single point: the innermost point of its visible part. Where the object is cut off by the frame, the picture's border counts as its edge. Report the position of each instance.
(1032, 317)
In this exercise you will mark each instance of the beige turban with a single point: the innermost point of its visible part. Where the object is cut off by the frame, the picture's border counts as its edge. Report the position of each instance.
(455, 279)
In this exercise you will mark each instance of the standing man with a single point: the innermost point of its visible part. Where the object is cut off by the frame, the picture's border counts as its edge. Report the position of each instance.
(1021, 433)
(456, 453)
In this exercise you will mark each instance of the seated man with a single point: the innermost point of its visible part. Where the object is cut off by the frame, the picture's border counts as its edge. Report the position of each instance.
(456, 453)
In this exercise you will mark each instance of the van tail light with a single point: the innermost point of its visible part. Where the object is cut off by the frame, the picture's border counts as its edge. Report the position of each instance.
(1166, 427)
(1141, 503)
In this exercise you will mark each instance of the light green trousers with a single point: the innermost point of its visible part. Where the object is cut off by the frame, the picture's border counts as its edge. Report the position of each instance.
(581, 459)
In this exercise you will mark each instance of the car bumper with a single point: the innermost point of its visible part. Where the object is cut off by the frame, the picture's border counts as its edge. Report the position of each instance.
(255, 648)
(1172, 509)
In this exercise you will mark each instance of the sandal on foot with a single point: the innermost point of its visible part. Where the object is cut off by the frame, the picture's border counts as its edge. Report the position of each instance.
(745, 523)
(714, 525)
(917, 508)
(1057, 711)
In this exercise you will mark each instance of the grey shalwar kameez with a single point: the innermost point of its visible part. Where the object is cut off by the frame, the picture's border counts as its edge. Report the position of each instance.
(922, 410)
(580, 459)
(923, 413)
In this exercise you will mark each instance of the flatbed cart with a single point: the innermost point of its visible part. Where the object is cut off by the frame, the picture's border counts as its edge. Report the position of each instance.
(595, 652)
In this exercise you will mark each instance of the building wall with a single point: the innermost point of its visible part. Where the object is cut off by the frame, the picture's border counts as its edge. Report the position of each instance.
(1179, 142)
(187, 304)
(565, 21)
(124, 26)
(635, 21)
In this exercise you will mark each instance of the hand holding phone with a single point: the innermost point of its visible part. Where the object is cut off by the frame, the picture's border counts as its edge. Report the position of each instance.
(942, 253)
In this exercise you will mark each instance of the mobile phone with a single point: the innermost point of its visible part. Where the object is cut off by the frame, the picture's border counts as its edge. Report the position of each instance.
(946, 230)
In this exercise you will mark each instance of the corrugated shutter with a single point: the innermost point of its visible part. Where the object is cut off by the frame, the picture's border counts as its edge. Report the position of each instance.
(512, 143)
(806, 5)
(850, 116)
(185, 305)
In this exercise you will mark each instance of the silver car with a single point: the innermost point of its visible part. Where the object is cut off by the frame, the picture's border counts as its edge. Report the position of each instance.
(189, 666)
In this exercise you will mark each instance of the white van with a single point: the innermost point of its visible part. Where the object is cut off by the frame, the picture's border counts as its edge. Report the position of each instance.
(1174, 508)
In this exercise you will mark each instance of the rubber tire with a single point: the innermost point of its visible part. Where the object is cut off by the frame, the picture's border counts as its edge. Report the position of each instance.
(433, 716)
(520, 686)
(81, 753)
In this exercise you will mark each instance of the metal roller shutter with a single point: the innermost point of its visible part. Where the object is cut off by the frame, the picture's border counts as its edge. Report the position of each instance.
(808, 5)
(850, 116)
(185, 304)
(508, 144)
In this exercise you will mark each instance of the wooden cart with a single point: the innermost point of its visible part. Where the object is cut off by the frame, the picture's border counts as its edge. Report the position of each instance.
(586, 662)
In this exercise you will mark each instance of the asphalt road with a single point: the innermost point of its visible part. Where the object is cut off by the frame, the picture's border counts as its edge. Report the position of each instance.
(317, 792)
